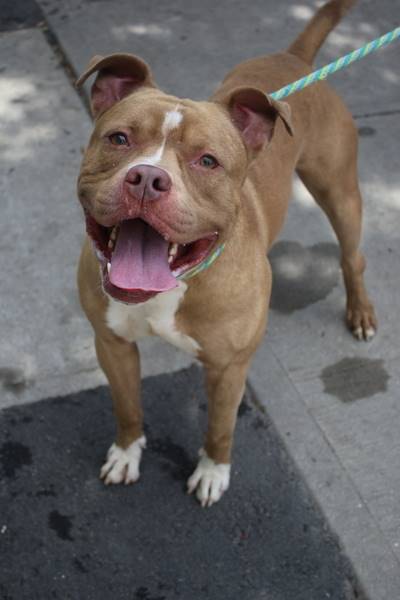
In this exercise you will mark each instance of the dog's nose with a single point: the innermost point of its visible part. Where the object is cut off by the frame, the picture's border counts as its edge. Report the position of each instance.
(147, 182)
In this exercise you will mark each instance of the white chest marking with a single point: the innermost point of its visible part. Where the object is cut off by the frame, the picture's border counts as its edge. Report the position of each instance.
(156, 316)
(172, 120)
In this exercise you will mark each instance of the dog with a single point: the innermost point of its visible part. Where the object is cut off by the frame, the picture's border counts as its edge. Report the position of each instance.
(182, 202)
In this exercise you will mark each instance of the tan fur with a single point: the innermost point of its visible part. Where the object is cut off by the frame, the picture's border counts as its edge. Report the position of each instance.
(307, 44)
(225, 308)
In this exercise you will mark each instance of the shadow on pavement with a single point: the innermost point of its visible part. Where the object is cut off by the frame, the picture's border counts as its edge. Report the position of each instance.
(65, 535)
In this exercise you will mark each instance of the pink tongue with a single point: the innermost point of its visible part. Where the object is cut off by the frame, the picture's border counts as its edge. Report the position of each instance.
(140, 259)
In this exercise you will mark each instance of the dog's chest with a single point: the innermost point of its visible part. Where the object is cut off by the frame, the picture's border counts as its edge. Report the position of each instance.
(154, 317)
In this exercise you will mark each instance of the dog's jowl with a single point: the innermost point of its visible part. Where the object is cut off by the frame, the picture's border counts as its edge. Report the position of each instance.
(182, 201)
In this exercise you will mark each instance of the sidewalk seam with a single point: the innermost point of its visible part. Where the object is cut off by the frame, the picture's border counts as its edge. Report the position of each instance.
(322, 483)
(327, 441)
(62, 57)
(379, 113)
(357, 588)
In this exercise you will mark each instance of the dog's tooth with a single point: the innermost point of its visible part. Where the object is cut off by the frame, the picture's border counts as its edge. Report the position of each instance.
(170, 259)
(108, 267)
(113, 234)
(99, 254)
(110, 244)
(173, 249)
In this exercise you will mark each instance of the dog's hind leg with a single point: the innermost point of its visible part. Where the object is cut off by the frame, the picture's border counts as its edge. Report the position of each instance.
(329, 171)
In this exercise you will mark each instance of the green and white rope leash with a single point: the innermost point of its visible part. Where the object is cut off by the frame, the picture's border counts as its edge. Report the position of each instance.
(340, 63)
(319, 75)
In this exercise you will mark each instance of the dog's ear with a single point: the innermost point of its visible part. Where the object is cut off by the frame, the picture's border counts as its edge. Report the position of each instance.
(255, 114)
(118, 76)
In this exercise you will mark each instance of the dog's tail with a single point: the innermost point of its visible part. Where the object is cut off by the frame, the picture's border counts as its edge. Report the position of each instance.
(307, 44)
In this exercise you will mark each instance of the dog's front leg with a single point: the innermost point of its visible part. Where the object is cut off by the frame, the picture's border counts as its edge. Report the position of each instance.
(120, 362)
(225, 388)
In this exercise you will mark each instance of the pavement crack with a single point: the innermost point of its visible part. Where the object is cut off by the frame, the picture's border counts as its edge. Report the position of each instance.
(63, 60)
(379, 113)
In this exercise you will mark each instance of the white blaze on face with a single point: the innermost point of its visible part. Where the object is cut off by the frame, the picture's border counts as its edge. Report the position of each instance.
(172, 120)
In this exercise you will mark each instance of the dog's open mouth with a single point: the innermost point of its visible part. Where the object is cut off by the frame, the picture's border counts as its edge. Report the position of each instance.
(138, 262)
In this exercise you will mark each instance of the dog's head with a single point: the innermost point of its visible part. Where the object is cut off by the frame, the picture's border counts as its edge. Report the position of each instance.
(161, 178)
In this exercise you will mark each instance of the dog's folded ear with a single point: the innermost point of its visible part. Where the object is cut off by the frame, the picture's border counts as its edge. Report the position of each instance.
(255, 114)
(118, 76)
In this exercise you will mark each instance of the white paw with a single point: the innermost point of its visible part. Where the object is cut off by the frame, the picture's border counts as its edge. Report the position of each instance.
(122, 464)
(210, 479)
(364, 334)
(369, 333)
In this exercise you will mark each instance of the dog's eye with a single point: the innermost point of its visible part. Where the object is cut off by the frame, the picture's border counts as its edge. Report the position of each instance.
(118, 139)
(208, 161)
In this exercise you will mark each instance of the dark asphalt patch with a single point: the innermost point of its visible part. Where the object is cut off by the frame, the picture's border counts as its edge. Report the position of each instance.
(61, 524)
(354, 378)
(14, 456)
(13, 378)
(366, 131)
(19, 14)
(302, 276)
(65, 535)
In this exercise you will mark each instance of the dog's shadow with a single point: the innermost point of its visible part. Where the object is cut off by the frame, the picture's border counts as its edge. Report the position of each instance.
(150, 540)
(302, 275)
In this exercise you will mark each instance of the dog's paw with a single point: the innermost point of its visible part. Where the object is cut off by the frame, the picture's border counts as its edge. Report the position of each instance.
(366, 334)
(122, 464)
(210, 480)
(362, 322)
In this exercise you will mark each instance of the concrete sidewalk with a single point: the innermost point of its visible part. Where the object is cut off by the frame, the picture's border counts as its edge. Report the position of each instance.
(333, 401)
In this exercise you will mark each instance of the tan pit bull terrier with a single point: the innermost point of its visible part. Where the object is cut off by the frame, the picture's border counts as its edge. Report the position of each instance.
(165, 184)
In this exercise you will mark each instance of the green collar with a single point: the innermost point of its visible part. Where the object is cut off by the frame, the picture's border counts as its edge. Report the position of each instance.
(203, 265)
